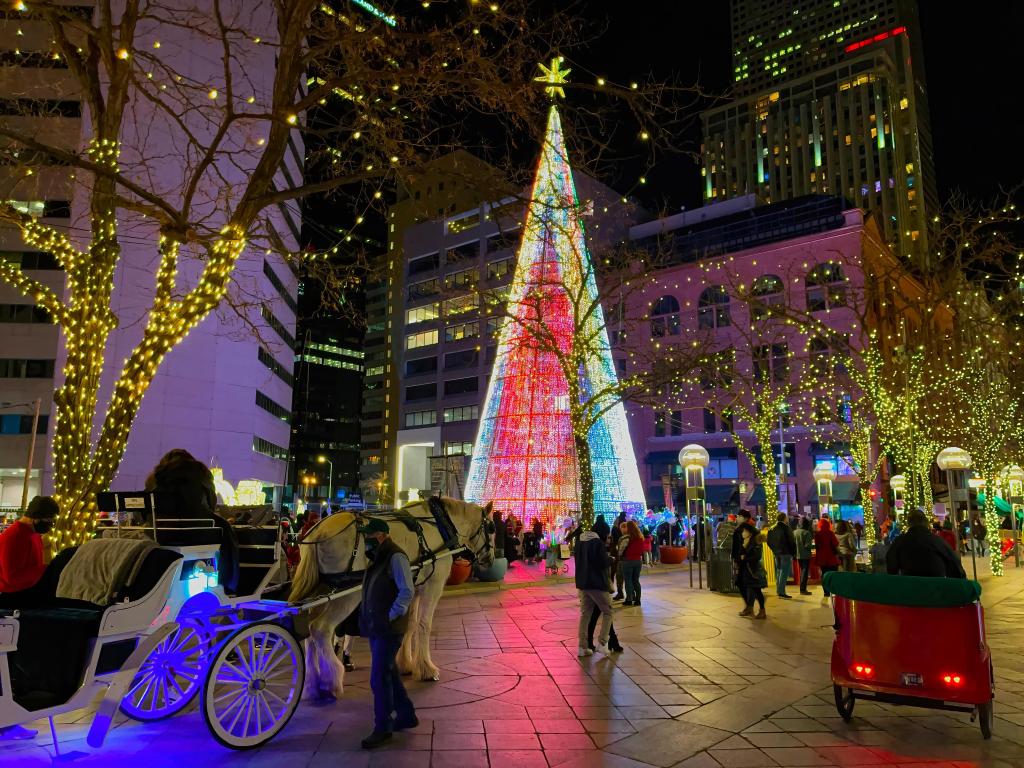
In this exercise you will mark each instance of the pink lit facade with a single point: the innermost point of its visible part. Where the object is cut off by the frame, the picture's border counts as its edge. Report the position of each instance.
(786, 246)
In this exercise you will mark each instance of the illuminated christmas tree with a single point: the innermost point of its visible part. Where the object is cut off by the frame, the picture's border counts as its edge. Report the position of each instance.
(553, 438)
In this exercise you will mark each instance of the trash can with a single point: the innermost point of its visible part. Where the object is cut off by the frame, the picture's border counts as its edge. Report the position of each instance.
(720, 576)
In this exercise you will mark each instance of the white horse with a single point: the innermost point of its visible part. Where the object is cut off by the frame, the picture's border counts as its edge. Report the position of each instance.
(334, 546)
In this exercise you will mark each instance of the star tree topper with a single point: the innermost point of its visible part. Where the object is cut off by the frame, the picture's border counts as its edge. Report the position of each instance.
(554, 76)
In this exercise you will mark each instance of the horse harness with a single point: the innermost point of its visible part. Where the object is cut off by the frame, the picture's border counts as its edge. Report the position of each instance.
(439, 518)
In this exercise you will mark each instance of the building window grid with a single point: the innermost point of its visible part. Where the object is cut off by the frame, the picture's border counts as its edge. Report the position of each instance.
(277, 326)
(22, 368)
(461, 413)
(421, 418)
(275, 367)
(267, 448)
(281, 289)
(274, 409)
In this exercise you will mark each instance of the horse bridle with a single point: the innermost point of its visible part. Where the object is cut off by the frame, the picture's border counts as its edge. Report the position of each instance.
(482, 530)
(355, 546)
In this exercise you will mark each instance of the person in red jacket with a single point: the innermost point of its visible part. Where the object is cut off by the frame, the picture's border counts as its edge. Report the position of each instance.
(826, 550)
(22, 565)
(632, 561)
(21, 546)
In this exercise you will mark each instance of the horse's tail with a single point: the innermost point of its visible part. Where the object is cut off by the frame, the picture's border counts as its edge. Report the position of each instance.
(307, 574)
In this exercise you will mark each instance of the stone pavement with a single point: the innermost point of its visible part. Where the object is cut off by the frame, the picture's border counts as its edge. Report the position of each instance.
(697, 687)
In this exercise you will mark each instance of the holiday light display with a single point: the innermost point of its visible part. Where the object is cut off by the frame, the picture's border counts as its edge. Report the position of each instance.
(548, 442)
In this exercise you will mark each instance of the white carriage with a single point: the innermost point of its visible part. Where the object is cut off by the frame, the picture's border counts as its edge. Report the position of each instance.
(197, 614)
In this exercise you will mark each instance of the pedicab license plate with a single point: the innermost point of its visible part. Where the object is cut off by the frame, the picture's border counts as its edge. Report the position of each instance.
(911, 679)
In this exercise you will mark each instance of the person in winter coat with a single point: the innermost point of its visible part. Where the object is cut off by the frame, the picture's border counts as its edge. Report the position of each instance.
(181, 473)
(826, 547)
(383, 619)
(592, 563)
(618, 531)
(947, 535)
(782, 543)
(743, 518)
(602, 530)
(847, 546)
(919, 553)
(499, 534)
(632, 561)
(803, 538)
(751, 577)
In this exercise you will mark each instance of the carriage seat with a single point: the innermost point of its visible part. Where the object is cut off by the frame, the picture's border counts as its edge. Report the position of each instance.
(157, 515)
(57, 633)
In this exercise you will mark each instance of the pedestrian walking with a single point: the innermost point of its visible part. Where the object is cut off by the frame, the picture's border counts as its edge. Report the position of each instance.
(782, 543)
(383, 620)
(804, 540)
(826, 550)
(592, 563)
(752, 578)
(978, 531)
(632, 561)
(847, 546)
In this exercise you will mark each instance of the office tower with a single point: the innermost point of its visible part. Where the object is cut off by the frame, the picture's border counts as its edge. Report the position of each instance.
(830, 98)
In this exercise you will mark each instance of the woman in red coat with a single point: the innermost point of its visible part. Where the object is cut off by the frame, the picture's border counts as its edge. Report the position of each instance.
(826, 550)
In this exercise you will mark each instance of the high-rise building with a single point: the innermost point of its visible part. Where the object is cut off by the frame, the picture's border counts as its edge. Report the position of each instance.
(830, 99)
(453, 183)
(39, 96)
(325, 419)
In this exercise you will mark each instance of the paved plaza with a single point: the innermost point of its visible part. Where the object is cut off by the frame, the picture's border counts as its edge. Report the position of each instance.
(697, 687)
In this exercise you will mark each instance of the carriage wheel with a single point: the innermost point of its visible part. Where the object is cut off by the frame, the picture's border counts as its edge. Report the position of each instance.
(169, 677)
(254, 685)
(844, 702)
(985, 719)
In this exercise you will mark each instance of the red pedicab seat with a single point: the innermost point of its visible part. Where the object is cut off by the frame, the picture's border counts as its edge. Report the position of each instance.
(910, 640)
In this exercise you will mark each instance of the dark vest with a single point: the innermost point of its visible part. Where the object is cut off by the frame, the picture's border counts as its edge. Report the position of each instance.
(379, 594)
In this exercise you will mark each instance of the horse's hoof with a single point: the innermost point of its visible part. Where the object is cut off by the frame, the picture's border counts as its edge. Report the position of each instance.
(324, 695)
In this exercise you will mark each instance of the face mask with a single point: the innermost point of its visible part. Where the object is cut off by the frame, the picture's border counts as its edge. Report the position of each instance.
(42, 526)
(371, 547)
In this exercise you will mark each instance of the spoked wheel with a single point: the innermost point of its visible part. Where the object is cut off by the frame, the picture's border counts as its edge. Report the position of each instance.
(985, 718)
(844, 702)
(170, 676)
(254, 685)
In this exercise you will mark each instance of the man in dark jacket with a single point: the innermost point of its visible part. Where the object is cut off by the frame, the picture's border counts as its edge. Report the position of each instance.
(499, 535)
(592, 564)
(383, 619)
(782, 543)
(918, 552)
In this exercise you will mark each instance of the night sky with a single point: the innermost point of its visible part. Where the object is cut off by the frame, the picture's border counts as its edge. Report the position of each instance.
(972, 63)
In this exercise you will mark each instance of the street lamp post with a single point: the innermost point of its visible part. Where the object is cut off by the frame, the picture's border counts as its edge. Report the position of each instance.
(956, 462)
(824, 473)
(1013, 481)
(783, 464)
(898, 483)
(694, 458)
(330, 478)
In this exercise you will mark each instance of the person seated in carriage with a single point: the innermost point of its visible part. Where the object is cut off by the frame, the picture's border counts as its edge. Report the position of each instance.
(21, 568)
(181, 473)
(21, 550)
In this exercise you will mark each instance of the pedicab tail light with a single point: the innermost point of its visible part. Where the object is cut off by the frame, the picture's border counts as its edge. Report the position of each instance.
(953, 681)
(861, 669)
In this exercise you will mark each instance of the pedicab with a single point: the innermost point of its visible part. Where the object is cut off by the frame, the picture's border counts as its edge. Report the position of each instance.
(911, 640)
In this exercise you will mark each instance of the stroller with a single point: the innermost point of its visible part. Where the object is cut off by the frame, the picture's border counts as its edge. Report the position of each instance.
(554, 558)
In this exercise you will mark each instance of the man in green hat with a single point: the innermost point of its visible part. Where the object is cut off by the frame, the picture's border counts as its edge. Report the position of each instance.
(383, 619)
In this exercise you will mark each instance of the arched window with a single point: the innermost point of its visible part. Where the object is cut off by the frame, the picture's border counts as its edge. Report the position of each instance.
(665, 317)
(713, 308)
(826, 287)
(767, 292)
